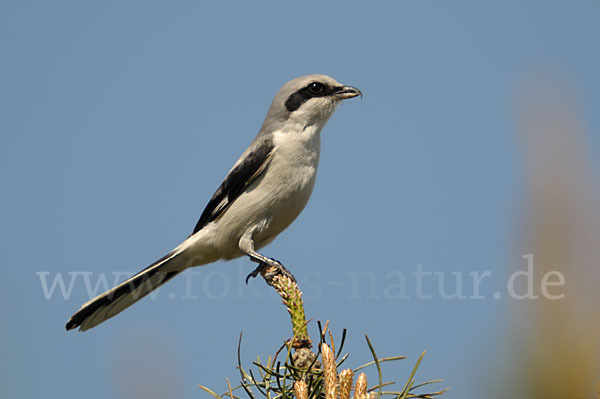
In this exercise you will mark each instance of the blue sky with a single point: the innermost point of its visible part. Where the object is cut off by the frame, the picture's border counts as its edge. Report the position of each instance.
(120, 119)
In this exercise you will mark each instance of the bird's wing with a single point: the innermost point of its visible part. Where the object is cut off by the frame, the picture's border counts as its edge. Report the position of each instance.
(247, 168)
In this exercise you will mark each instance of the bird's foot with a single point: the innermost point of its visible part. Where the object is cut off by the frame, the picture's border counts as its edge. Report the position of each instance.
(255, 272)
(269, 269)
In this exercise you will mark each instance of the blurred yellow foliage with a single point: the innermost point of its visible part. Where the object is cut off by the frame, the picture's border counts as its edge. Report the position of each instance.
(559, 354)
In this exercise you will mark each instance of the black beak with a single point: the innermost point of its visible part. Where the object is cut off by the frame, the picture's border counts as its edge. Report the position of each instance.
(344, 92)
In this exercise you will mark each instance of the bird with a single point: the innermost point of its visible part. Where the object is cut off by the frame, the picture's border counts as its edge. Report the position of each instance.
(263, 193)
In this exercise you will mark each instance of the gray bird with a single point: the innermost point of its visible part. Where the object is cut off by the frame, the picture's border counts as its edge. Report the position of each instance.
(263, 193)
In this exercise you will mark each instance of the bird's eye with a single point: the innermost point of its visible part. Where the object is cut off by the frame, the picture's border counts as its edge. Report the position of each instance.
(316, 88)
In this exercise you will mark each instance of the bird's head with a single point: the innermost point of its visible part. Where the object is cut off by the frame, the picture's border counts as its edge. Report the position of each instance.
(308, 100)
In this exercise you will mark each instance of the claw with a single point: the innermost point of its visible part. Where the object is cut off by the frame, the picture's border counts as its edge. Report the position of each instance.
(282, 270)
(264, 266)
(255, 272)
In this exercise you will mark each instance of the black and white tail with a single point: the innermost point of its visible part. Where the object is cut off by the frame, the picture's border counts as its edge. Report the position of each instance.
(117, 299)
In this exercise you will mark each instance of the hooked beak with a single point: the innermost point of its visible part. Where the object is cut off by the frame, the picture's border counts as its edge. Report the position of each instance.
(344, 92)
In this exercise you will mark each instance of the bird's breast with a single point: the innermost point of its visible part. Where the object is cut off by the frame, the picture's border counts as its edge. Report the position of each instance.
(295, 159)
(290, 179)
(274, 200)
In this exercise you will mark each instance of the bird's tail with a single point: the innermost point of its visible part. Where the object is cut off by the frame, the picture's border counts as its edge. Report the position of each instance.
(117, 299)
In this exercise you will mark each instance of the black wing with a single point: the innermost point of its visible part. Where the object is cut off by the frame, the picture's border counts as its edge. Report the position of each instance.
(236, 182)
